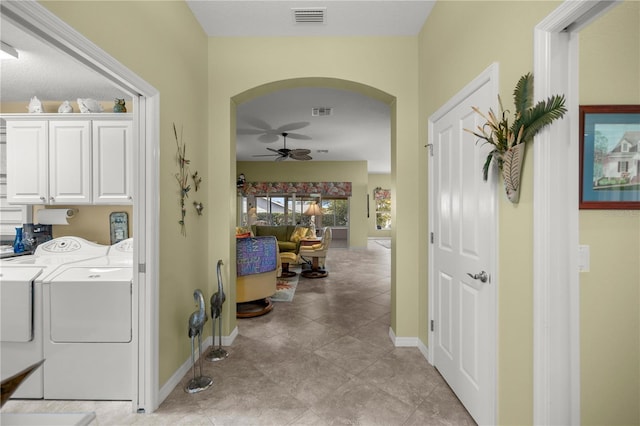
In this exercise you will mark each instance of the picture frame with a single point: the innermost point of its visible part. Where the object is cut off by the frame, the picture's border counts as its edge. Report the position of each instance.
(610, 157)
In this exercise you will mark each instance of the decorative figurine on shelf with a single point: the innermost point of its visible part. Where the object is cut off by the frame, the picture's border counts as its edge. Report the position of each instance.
(217, 354)
(65, 108)
(35, 106)
(241, 181)
(196, 324)
(88, 105)
(119, 106)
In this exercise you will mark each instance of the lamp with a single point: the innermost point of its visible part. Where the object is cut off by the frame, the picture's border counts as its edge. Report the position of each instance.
(7, 52)
(252, 216)
(313, 210)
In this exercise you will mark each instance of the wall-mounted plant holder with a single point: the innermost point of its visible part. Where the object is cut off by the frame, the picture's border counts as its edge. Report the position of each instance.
(508, 139)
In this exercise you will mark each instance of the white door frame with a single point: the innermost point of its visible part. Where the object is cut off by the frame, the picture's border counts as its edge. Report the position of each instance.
(40, 22)
(556, 292)
(489, 76)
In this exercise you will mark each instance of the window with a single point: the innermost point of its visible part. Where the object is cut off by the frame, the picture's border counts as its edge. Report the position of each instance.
(623, 166)
(382, 198)
(289, 209)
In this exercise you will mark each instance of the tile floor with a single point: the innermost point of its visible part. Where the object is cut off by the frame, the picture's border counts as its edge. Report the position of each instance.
(324, 359)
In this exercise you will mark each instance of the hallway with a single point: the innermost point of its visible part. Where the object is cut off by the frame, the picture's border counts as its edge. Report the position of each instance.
(325, 358)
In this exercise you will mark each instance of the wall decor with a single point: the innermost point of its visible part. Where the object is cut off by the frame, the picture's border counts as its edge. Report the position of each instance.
(182, 177)
(610, 157)
(508, 139)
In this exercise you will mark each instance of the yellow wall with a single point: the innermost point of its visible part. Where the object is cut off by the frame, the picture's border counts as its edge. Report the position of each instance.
(340, 171)
(382, 181)
(164, 44)
(388, 64)
(458, 42)
(610, 296)
(89, 222)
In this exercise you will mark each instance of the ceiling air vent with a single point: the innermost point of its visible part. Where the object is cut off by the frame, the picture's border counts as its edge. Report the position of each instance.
(321, 111)
(309, 15)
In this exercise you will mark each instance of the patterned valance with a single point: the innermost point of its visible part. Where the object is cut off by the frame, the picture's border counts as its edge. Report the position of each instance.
(381, 194)
(335, 189)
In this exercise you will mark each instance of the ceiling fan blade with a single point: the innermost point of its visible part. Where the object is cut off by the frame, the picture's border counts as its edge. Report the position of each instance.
(282, 158)
(303, 157)
(276, 151)
(300, 152)
(268, 138)
(249, 132)
(292, 126)
(267, 155)
(256, 122)
(298, 136)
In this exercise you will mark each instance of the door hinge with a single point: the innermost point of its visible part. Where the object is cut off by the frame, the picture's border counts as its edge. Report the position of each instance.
(432, 325)
(142, 268)
(431, 237)
(430, 148)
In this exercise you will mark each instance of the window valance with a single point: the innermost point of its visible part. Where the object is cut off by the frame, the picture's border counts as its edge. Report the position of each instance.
(299, 188)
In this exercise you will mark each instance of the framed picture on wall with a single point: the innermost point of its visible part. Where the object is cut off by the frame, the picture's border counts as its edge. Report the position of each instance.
(610, 157)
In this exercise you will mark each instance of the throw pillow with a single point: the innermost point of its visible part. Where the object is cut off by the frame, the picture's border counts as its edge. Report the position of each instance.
(243, 232)
(299, 233)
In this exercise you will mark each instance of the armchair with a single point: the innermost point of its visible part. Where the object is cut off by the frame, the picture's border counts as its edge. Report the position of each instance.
(318, 254)
(257, 264)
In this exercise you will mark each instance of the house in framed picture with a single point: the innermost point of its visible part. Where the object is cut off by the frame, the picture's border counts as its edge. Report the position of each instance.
(621, 166)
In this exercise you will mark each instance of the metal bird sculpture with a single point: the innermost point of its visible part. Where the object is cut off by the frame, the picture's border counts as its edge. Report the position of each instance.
(217, 354)
(196, 324)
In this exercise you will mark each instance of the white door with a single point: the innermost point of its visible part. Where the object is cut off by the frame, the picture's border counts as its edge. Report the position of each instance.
(463, 288)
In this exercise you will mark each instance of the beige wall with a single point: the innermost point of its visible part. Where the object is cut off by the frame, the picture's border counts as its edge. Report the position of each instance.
(339, 171)
(89, 222)
(458, 42)
(382, 181)
(387, 65)
(163, 43)
(610, 296)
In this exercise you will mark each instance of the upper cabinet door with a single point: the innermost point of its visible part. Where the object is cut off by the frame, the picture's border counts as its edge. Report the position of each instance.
(27, 162)
(112, 162)
(70, 162)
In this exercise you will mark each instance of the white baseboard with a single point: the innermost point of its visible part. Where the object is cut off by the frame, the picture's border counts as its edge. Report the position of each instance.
(410, 342)
(177, 376)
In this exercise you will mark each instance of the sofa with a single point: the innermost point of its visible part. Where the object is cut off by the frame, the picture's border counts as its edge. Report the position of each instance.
(288, 236)
(257, 266)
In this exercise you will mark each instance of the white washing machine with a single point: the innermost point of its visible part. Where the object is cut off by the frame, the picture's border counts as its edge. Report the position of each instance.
(89, 339)
(21, 338)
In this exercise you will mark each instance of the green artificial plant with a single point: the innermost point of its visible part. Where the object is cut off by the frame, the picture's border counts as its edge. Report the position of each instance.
(527, 122)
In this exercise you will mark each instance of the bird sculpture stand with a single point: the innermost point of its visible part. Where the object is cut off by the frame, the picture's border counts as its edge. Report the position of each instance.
(217, 354)
(196, 324)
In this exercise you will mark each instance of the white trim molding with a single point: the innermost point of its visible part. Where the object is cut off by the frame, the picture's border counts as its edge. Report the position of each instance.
(556, 296)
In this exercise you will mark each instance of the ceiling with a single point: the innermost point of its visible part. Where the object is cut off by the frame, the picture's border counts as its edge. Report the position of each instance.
(358, 129)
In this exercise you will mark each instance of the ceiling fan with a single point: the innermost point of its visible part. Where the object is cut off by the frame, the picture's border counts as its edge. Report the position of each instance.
(284, 153)
(269, 134)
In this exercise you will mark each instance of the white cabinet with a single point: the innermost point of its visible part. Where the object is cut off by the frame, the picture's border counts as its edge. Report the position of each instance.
(69, 161)
(112, 162)
(27, 162)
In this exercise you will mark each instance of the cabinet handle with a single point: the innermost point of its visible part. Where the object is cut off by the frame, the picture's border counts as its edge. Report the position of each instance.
(43, 199)
(52, 199)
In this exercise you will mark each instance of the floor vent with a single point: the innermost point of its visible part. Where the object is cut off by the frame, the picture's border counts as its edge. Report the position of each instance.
(321, 111)
(309, 15)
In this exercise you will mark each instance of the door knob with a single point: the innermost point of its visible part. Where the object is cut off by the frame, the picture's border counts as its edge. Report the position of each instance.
(482, 276)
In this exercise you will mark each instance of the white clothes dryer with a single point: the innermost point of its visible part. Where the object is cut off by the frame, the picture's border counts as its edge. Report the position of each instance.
(21, 338)
(89, 339)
